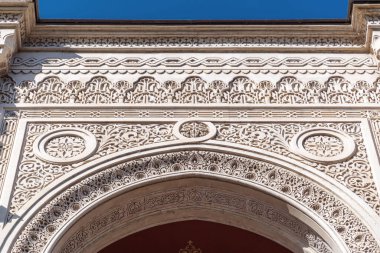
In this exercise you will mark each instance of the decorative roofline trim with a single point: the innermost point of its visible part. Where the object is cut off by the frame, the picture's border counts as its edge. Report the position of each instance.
(18, 17)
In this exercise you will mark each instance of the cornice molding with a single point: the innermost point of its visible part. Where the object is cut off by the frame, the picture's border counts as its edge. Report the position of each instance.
(354, 37)
(16, 18)
(19, 30)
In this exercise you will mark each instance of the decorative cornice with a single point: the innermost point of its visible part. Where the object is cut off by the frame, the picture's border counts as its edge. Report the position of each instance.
(192, 61)
(8, 46)
(354, 37)
(19, 15)
(14, 18)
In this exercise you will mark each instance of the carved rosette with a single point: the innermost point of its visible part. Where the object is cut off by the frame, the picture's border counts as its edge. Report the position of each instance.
(65, 146)
(323, 145)
(194, 130)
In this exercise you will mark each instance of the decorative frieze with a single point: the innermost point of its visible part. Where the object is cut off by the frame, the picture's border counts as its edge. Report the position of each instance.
(176, 61)
(192, 90)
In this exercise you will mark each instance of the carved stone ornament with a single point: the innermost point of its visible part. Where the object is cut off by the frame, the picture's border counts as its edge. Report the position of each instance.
(355, 172)
(211, 200)
(319, 201)
(192, 90)
(194, 130)
(8, 45)
(90, 114)
(65, 146)
(324, 145)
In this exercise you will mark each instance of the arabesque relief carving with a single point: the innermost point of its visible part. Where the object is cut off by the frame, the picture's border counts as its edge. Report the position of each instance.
(193, 90)
(7, 134)
(350, 167)
(290, 110)
(197, 196)
(65, 146)
(321, 202)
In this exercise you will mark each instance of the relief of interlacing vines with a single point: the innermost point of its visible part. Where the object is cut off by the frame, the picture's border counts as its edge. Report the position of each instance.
(355, 173)
(35, 174)
(192, 90)
(7, 134)
(49, 220)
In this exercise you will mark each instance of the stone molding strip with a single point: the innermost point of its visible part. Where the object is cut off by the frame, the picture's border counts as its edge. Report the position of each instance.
(193, 90)
(356, 36)
(19, 30)
(175, 61)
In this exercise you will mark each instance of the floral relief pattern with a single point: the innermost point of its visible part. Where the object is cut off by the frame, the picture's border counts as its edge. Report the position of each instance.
(7, 134)
(192, 90)
(355, 173)
(352, 231)
(65, 146)
(196, 196)
(323, 145)
(35, 174)
(194, 129)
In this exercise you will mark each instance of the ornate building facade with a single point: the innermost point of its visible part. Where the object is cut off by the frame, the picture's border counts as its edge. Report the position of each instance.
(108, 130)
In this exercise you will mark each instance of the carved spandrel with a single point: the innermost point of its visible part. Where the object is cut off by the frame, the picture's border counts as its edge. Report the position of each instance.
(350, 167)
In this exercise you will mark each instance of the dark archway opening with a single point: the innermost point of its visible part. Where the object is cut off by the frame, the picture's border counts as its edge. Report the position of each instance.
(209, 237)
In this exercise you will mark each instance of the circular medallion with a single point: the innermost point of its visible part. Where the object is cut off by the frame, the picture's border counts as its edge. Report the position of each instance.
(194, 130)
(323, 145)
(65, 146)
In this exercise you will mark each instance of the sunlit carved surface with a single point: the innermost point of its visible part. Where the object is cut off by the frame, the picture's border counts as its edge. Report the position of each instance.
(65, 147)
(86, 114)
(323, 145)
(194, 129)
(320, 201)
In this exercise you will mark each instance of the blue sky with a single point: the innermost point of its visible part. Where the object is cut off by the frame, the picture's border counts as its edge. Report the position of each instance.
(193, 9)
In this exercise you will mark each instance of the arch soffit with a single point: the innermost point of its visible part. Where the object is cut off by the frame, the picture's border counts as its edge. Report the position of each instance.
(193, 197)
